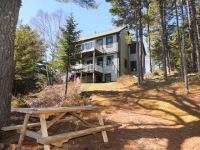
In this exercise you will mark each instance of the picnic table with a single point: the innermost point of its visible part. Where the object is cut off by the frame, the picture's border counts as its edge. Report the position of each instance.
(57, 113)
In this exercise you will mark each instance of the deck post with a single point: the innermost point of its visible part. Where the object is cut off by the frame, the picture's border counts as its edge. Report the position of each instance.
(82, 69)
(93, 65)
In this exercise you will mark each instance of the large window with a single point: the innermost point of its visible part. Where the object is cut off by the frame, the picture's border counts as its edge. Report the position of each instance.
(100, 61)
(86, 46)
(125, 63)
(133, 66)
(133, 48)
(109, 60)
(109, 41)
(100, 41)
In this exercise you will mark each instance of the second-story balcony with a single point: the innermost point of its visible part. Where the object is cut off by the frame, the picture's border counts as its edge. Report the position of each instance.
(88, 68)
(92, 46)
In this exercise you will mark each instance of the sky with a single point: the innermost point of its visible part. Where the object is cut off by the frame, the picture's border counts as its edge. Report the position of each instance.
(89, 21)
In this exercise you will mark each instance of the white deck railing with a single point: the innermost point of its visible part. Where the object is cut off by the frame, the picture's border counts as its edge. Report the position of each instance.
(98, 68)
(88, 68)
(99, 47)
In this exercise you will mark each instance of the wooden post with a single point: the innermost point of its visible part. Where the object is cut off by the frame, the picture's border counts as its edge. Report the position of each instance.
(104, 134)
(81, 69)
(93, 65)
(23, 131)
(44, 129)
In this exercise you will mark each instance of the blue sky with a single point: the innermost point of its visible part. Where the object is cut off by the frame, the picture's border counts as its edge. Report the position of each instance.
(89, 20)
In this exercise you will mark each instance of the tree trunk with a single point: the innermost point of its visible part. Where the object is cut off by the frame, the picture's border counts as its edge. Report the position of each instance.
(193, 12)
(191, 37)
(9, 11)
(138, 55)
(47, 70)
(149, 39)
(163, 39)
(149, 45)
(66, 84)
(179, 44)
(140, 41)
(183, 52)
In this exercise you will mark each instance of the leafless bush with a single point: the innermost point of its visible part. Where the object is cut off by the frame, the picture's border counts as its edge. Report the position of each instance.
(48, 99)
(127, 79)
(53, 96)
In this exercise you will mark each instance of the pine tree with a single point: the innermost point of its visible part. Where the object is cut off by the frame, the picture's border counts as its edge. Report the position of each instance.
(28, 55)
(68, 53)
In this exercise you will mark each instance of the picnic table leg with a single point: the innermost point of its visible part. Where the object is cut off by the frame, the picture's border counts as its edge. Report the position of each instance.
(44, 129)
(23, 131)
(104, 134)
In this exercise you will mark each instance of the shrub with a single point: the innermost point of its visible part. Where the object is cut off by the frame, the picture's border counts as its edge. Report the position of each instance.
(20, 102)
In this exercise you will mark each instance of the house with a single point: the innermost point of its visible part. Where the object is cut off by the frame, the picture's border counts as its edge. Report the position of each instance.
(106, 56)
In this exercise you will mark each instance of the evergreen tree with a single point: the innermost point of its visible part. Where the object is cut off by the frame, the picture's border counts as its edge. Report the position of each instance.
(68, 53)
(28, 56)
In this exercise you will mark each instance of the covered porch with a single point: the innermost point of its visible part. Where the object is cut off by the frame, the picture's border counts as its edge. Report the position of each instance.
(94, 67)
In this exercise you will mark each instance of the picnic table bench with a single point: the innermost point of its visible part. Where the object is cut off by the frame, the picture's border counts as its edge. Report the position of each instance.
(58, 112)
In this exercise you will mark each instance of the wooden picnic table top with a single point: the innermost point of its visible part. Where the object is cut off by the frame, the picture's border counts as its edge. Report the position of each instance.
(58, 109)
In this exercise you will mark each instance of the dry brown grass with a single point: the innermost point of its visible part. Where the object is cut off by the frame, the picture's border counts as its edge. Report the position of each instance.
(154, 97)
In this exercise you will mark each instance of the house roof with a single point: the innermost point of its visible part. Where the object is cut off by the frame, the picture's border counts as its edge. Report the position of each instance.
(100, 34)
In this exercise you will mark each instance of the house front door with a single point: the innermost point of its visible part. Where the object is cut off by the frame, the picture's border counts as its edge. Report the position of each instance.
(107, 77)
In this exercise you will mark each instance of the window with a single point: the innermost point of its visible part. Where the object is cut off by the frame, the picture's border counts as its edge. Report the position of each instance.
(133, 66)
(100, 61)
(133, 48)
(100, 41)
(86, 46)
(83, 46)
(89, 62)
(109, 60)
(109, 41)
(125, 63)
(90, 45)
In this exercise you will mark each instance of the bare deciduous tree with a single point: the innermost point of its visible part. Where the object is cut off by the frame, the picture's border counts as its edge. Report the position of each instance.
(48, 26)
